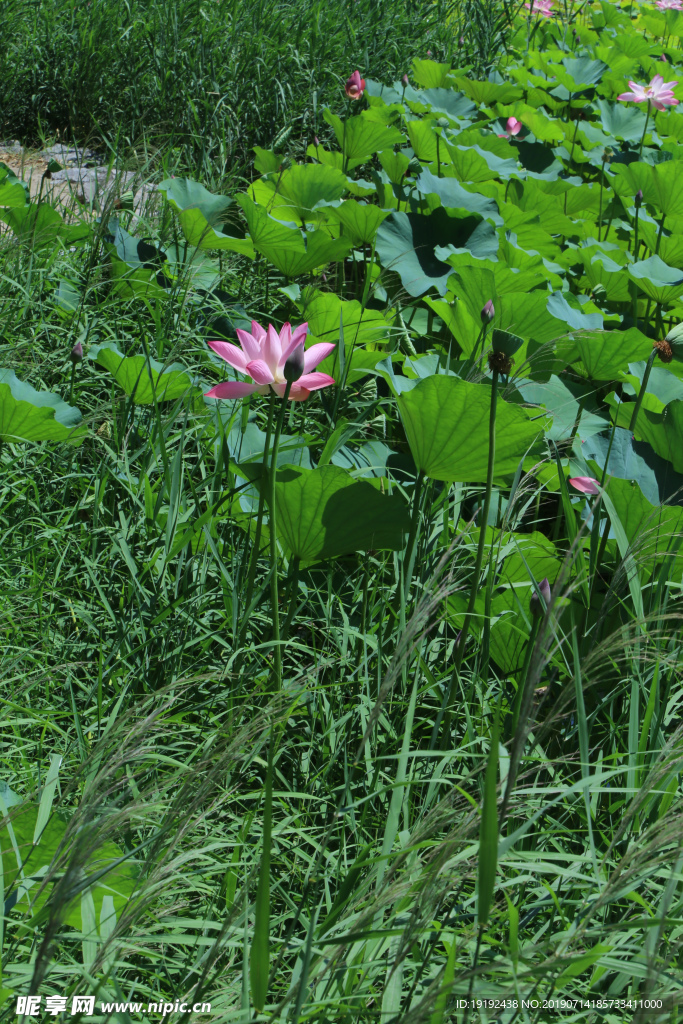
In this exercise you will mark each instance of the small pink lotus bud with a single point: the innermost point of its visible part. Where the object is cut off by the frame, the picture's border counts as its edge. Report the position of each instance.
(639, 198)
(76, 355)
(294, 366)
(429, 53)
(316, 141)
(536, 607)
(355, 86)
(664, 58)
(488, 312)
(585, 484)
(513, 126)
(462, 40)
(405, 81)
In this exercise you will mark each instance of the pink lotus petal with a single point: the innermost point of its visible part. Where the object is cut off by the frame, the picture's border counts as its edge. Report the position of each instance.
(296, 393)
(259, 371)
(316, 353)
(315, 381)
(234, 389)
(585, 484)
(297, 337)
(233, 355)
(272, 350)
(258, 332)
(249, 343)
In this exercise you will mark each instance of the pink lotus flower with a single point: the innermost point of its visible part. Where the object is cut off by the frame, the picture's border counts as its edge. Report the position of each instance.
(670, 5)
(512, 127)
(263, 356)
(658, 93)
(585, 484)
(542, 7)
(355, 86)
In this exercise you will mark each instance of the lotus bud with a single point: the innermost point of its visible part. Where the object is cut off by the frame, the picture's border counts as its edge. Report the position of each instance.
(442, 122)
(429, 53)
(76, 354)
(536, 607)
(607, 155)
(316, 141)
(294, 366)
(638, 199)
(598, 292)
(488, 312)
(355, 86)
(414, 167)
(405, 81)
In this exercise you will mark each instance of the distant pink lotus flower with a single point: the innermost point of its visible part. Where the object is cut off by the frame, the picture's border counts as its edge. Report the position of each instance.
(355, 86)
(542, 7)
(263, 356)
(512, 127)
(658, 93)
(670, 5)
(585, 484)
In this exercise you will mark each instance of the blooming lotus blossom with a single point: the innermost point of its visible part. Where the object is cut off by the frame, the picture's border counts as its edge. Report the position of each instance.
(512, 127)
(670, 5)
(585, 484)
(658, 93)
(542, 7)
(355, 86)
(263, 355)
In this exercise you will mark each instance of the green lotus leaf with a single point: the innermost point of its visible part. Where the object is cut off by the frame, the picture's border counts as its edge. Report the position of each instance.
(325, 512)
(658, 281)
(633, 460)
(286, 247)
(365, 333)
(303, 187)
(454, 197)
(360, 137)
(360, 220)
(471, 163)
(449, 102)
(406, 244)
(146, 382)
(36, 224)
(446, 422)
(118, 883)
(662, 430)
(661, 184)
(654, 532)
(622, 121)
(423, 137)
(580, 72)
(429, 73)
(604, 354)
(563, 400)
(30, 415)
(13, 191)
(202, 216)
(487, 93)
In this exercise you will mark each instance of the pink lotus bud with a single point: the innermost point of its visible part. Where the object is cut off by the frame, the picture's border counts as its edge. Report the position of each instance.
(537, 608)
(638, 198)
(405, 81)
(488, 312)
(664, 58)
(355, 85)
(513, 126)
(429, 53)
(462, 40)
(316, 141)
(76, 355)
(585, 484)
(294, 366)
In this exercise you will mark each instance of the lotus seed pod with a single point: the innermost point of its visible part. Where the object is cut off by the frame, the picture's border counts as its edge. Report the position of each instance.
(674, 340)
(500, 363)
(505, 343)
(294, 366)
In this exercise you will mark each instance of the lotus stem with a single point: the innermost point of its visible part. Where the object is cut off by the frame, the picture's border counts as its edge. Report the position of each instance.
(643, 389)
(409, 557)
(272, 529)
(647, 121)
(259, 516)
(460, 644)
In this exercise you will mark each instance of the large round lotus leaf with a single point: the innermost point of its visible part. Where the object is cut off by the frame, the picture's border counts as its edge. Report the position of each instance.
(13, 191)
(360, 220)
(360, 136)
(659, 282)
(605, 354)
(202, 216)
(30, 415)
(662, 430)
(303, 187)
(285, 247)
(406, 244)
(634, 460)
(653, 531)
(325, 512)
(446, 421)
(117, 883)
(144, 381)
(36, 224)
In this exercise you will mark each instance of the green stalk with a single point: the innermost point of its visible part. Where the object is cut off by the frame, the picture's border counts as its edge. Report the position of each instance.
(71, 386)
(647, 121)
(524, 677)
(409, 557)
(460, 647)
(643, 389)
(272, 528)
(259, 516)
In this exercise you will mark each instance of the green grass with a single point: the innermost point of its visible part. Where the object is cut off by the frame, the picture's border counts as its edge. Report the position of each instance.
(442, 820)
